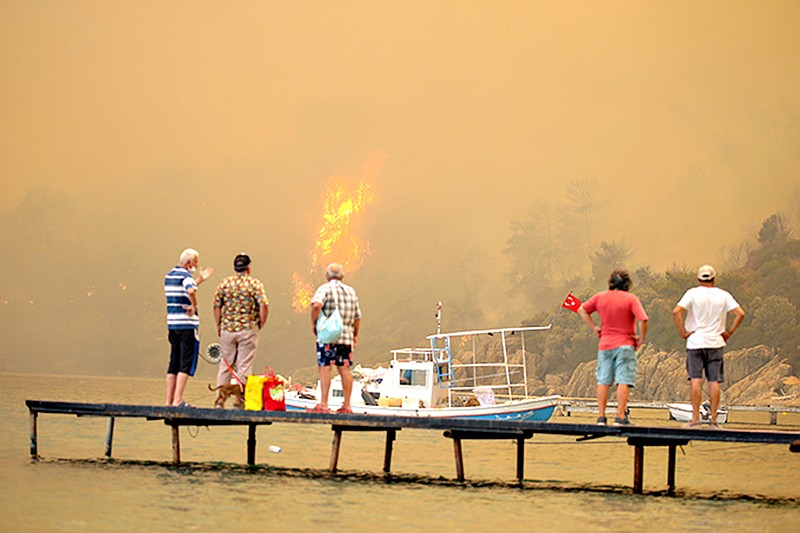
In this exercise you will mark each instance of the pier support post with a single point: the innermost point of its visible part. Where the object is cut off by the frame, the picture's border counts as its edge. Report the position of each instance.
(458, 435)
(459, 458)
(251, 444)
(34, 439)
(391, 435)
(773, 418)
(337, 443)
(638, 468)
(176, 444)
(109, 436)
(639, 444)
(671, 469)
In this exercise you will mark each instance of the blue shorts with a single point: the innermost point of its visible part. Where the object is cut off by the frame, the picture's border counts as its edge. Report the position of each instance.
(334, 354)
(617, 365)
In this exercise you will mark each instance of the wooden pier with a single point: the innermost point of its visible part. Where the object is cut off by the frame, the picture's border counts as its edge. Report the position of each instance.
(457, 429)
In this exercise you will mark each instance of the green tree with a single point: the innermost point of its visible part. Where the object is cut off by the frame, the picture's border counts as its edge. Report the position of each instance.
(534, 250)
(578, 219)
(774, 230)
(611, 255)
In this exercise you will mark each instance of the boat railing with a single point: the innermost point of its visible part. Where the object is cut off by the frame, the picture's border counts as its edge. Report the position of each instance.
(416, 354)
(459, 376)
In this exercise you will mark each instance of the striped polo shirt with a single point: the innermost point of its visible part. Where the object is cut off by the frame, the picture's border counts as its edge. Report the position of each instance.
(176, 284)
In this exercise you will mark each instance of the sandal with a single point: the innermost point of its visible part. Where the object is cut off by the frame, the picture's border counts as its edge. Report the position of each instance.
(692, 425)
(344, 411)
(317, 409)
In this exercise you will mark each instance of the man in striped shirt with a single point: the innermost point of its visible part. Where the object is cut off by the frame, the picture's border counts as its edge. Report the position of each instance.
(180, 289)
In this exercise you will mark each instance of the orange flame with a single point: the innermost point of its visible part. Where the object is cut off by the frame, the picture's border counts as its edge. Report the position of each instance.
(337, 240)
(303, 292)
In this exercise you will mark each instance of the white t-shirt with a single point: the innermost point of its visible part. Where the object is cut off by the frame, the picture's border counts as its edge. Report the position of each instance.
(707, 311)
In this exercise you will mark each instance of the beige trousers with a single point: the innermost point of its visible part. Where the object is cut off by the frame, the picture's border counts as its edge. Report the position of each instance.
(239, 350)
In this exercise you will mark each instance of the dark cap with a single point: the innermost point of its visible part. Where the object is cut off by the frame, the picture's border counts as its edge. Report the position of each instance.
(241, 262)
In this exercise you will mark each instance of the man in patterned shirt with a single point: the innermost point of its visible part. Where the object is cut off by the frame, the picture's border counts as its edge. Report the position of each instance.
(180, 289)
(338, 353)
(240, 311)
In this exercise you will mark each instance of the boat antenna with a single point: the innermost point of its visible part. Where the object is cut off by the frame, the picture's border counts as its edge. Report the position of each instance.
(439, 318)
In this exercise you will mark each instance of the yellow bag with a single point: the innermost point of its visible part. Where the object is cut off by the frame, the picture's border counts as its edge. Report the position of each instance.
(253, 393)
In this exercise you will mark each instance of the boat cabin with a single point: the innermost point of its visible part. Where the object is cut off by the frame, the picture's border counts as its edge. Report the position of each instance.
(411, 381)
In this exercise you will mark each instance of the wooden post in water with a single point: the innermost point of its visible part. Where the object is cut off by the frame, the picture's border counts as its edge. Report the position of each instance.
(176, 444)
(638, 468)
(34, 440)
(671, 469)
(391, 435)
(337, 442)
(459, 458)
(251, 444)
(520, 459)
(109, 436)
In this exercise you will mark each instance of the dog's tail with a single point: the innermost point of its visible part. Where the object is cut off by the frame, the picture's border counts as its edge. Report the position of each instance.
(213, 389)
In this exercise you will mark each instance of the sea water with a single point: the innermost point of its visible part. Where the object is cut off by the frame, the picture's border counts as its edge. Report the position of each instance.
(569, 485)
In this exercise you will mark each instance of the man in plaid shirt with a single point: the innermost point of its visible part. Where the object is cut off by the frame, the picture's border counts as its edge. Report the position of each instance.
(337, 353)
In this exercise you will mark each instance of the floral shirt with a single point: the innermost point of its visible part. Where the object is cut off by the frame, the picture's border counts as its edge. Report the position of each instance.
(240, 298)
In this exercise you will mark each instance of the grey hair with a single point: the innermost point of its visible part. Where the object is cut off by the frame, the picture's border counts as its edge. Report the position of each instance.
(187, 255)
(334, 271)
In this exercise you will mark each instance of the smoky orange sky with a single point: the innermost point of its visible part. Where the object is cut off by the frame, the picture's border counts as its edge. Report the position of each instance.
(131, 130)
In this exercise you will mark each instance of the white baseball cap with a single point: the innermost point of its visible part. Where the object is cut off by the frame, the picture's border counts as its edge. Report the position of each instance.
(706, 273)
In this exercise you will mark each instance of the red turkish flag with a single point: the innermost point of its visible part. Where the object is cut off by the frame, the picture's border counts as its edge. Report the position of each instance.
(571, 303)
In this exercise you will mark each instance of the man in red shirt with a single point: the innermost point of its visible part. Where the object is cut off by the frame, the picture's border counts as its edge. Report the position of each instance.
(620, 314)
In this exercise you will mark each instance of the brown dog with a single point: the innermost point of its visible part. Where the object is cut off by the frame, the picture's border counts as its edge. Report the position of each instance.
(225, 391)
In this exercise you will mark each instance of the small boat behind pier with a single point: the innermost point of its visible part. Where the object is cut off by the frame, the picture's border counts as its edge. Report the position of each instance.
(682, 412)
(446, 380)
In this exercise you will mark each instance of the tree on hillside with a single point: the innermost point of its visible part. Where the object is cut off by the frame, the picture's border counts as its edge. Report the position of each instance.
(535, 252)
(735, 257)
(610, 256)
(774, 230)
(579, 213)
(775, 269)
(659, 293)
(794, 209)
(773, 321)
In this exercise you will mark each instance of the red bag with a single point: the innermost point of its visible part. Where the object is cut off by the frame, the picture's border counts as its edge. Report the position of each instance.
(274, 392)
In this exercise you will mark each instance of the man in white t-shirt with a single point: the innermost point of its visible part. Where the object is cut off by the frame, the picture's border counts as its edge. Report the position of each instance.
(707, 308)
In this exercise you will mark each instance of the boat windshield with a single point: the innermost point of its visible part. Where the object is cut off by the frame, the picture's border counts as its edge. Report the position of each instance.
(414, 377)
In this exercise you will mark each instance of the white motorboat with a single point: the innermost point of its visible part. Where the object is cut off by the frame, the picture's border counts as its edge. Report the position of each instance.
(433, 382)
(682, 412)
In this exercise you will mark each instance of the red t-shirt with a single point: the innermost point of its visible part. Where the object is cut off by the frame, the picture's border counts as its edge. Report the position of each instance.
(618, 312)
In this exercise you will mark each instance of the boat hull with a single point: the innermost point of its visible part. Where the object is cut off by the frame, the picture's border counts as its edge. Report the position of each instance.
(534, 409)
(682, 412)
